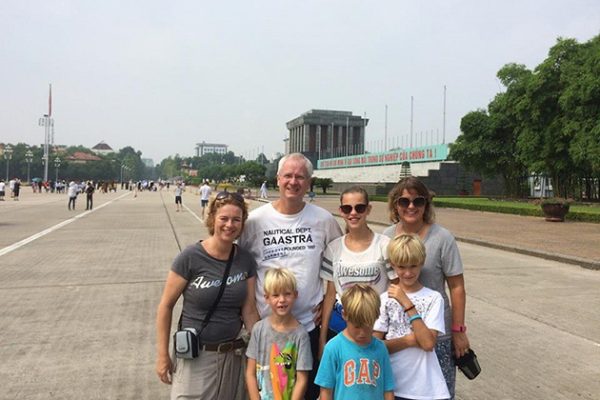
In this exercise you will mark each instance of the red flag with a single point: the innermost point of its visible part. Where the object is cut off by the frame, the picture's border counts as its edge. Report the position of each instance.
(50, 102)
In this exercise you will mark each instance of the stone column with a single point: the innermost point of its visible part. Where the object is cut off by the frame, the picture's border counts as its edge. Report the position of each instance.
(361, 140)
(306, 129)
(330, 130)
(296, 140)
(351, 141)
(318, 142)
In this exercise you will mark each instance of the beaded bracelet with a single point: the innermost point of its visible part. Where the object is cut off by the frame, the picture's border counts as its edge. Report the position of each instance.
(414, 317)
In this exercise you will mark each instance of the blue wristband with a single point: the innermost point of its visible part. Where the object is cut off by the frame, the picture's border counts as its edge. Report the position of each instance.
(414, 317)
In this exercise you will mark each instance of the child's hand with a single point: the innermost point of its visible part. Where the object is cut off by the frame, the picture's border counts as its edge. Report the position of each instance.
(396, 292)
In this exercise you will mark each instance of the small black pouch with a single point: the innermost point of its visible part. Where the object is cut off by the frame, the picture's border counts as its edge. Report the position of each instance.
(186, 343)
(468, 364)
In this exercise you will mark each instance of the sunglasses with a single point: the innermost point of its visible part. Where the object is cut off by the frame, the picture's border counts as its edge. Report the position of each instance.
(359, 208)
(234, 195)
(404, 202)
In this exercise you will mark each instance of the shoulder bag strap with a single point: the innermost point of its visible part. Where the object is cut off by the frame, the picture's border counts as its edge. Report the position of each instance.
(219, 295)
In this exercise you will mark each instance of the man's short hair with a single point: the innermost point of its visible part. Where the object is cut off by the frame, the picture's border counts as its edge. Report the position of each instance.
(296, 156)
(279, 280)
(361, 305)
(406, 249)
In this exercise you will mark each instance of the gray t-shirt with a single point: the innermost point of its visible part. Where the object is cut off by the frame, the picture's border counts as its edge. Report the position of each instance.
(286, 352)
(442, 260)
(204, 274)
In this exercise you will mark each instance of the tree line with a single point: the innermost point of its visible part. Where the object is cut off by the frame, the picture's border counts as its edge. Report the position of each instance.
(126, 162)
(216, 168)
(546, 122)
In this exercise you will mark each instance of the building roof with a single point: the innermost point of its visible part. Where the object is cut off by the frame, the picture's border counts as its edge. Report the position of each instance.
(102, 146)
(327, 117)
(81, 156)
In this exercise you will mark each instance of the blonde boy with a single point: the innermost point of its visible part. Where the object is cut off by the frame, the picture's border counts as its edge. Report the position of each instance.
(410, 319)
(355, 365)
(279, 356)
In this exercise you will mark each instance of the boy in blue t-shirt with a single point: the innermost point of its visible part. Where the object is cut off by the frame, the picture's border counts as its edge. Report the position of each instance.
(356, 365)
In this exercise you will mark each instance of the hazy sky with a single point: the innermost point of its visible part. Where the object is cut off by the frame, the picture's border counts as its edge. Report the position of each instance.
(162, 76)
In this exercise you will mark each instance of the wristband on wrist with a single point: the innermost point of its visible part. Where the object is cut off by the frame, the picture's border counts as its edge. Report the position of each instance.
(459, 328)
(409, 308)
(414, 317)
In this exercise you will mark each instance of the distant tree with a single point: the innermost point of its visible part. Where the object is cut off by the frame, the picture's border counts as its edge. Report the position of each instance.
(324, 183)
(262, 159)
(254, 172)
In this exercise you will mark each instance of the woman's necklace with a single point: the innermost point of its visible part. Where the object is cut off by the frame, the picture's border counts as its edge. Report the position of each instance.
(417, 232)
(361, 242)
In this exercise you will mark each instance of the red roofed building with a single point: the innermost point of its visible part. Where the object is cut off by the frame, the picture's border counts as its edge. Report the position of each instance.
(80, 157)
(102, 148)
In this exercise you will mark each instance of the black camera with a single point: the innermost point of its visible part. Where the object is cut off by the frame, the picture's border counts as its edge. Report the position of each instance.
(187, 343)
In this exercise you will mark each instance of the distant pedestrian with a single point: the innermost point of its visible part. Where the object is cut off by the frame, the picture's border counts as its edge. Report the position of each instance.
(178, 192)
(205, 191)
(16, 189)
(89, 195)
(263, 190)
(72, 193)
(11, 186)
(2, 189)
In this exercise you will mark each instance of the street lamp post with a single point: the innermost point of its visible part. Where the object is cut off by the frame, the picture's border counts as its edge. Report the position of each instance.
(126, 168)
(7, 156)
(48, 123)
(28, 159)
(57, 165)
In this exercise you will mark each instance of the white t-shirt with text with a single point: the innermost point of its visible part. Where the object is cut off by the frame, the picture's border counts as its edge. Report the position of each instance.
(417, 373)
(295, 242)
(346, 268)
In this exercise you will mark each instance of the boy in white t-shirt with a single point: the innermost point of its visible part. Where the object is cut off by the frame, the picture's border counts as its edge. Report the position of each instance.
(411, 317)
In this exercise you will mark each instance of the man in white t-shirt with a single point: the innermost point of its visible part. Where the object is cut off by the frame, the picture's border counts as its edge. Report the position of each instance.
(11, 186)
(204, 192)
(2, 189)
(289, 233)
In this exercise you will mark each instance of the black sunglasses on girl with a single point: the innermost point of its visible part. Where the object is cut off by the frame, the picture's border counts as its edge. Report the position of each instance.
(404, 202)
(234, 195)
(347, 208)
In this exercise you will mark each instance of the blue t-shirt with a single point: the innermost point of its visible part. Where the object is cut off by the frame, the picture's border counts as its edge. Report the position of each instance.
(355, 372)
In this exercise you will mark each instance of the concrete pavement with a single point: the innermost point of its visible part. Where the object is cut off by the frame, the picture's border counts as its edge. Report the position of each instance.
(79, 295)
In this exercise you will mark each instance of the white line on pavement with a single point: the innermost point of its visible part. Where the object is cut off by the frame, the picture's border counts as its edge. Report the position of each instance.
(38, 235)
(193, 213)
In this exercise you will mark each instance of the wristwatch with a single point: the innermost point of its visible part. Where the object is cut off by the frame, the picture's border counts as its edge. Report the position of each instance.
(459, 328)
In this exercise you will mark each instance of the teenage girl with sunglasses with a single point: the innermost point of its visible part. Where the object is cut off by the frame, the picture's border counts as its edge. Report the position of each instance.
(411, 210)
(360, 256)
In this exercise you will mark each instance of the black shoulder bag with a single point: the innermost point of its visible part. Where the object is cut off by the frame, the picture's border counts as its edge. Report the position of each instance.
(187, 341)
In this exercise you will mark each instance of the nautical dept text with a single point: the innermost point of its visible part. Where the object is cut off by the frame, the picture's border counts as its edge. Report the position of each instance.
(287, 236)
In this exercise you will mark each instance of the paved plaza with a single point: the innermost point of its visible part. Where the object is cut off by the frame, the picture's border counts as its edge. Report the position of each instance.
(79, 291)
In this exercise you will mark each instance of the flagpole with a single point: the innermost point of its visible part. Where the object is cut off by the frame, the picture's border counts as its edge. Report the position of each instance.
(47, 122)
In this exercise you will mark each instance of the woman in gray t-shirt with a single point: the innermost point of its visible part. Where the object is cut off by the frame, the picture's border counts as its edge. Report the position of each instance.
(196, 274)
(411, 210)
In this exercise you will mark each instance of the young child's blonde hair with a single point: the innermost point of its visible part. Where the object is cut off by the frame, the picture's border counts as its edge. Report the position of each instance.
(279, 280)
(361, 305)
(406, 249)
